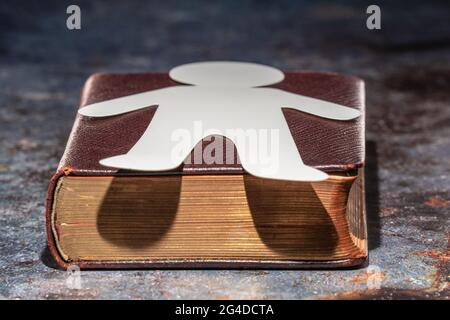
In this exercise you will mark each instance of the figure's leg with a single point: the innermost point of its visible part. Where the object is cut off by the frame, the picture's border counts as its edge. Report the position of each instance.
(156, 150)
(281, 161)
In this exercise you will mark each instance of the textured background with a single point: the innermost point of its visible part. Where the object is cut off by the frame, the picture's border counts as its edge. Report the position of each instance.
(407, 70)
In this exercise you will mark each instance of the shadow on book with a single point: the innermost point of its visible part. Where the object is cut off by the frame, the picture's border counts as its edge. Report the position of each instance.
(137, 213)
(208, 217)
(216, 217)
(291, 218)
(372, 195)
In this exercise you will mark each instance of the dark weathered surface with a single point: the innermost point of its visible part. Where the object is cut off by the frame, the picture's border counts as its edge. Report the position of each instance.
(407, 69)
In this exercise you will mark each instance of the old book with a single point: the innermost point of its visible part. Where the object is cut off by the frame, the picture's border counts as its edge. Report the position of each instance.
(209, 215)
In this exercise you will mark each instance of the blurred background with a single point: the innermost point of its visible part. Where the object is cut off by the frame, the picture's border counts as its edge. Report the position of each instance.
(406, 66)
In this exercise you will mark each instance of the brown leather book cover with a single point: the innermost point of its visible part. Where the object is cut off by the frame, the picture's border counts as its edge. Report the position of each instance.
(330, 145)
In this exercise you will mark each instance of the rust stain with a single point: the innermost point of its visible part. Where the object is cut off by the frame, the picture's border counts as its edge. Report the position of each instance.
(67, 170)
(435, 254)
(367, 275)
(386, 294)
(441, 276)
(437, 202)
(385, 212)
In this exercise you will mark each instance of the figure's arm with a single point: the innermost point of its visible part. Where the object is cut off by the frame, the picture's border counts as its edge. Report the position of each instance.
(123, 104)
(318, 107)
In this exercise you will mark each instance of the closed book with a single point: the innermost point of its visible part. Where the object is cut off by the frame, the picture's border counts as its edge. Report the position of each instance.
(203, 215)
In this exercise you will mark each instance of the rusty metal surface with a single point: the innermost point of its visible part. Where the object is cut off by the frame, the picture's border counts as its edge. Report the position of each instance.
(407, 69)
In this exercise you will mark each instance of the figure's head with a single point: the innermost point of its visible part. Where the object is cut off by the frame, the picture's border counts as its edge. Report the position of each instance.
(226, 74)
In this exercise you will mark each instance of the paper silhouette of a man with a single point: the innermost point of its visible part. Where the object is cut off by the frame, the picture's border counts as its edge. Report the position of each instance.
(223, 96)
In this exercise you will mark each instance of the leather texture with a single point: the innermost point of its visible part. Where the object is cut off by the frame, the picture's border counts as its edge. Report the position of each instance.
(323, 143)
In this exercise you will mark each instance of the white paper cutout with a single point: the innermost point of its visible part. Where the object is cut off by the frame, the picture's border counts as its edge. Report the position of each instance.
(223, 97)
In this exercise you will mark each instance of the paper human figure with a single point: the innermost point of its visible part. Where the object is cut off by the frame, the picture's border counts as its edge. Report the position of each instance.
(223, 96)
